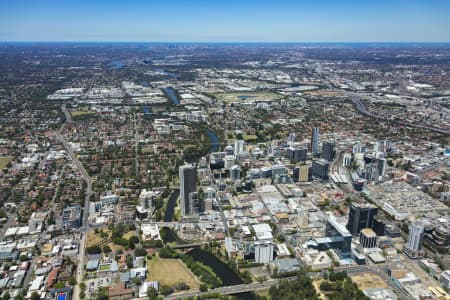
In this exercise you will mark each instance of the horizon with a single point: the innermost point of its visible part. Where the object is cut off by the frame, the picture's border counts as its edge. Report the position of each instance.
(200, 21)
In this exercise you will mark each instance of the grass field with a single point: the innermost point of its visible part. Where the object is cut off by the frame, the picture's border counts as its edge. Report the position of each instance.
(247, 96)
(147, 149)
(170, 272)
(4, 160)
(95, 238)
(368, 280)
(82, 113)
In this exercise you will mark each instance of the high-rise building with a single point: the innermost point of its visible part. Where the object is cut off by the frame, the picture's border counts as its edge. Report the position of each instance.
(328, 151)
(368, 238)
(360, 216)
(320, 168)
(342, 239)
(235, 172)
(413, 247)
(291, 138)
(347, 160)
(297, 154)
(304, 173)
(359, 148)
(239, 146)
(315, 141)
(263, 252)
(188, 185)
(194, 203)
(381, 166)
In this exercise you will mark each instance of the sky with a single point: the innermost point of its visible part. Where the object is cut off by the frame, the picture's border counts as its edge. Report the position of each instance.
(226, 20)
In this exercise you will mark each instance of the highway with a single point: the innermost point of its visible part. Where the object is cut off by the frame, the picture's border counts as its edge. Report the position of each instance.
(229, 290)
(362, 109)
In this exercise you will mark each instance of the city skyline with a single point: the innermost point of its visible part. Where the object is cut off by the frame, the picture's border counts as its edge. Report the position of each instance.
(231, 21)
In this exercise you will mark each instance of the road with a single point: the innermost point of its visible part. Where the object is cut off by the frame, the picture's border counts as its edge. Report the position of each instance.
(229, 290)
(66, 113)
(136, 146)
(362, 109)
(85, 216)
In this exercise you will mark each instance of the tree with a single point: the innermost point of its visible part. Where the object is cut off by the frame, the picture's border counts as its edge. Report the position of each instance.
(165, 290)
(203, 288)
(133, 240)
(152, 293)
(107, 249)
(95, 249)
(140, 252)
(72, 281)
(35, 296)
(6, 296)
(23, 257)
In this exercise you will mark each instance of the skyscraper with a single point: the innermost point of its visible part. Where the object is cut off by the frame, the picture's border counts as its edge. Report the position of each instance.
(360, 216)
(239, 146)
(315, 141)
(304, 173)
(415, 239)
(328, 151)
(188, 184)
(320, 168)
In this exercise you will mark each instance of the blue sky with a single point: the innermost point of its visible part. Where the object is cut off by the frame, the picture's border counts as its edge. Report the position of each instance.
(226, 21)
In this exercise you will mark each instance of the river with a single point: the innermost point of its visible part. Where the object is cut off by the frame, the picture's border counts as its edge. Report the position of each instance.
(170, 93)
(168, 216)
(228, 276)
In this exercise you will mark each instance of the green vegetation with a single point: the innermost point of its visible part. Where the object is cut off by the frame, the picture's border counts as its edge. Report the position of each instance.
(340, 287)
(4, 161)
(231, 97)
(81, 114)
(205, 273)
(300, 288)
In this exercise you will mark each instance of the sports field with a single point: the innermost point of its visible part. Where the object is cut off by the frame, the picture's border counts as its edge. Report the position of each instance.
(82, 113)
(170, 272)
(4, 160)
(231, 97)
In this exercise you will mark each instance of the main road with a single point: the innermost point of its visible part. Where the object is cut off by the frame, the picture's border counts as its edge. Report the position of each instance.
(362, 109)
(85, 215)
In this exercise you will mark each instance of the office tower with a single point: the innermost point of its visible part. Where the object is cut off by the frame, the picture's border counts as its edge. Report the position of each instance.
(291, 138)
(328, 151)
(278, 170)
(297, 154)
(304, 173)
(359, 148)
(368, 238)
(360, 216)
(188, 185)
(378, 225)
(347, 160)
(320, 168)
(235, 173)
(415, 239)
(296, 174)
(239, 146)
(315, 141)
(194, 203)
(341, 237)
(263, 252)
(371, 172)
(381, 166)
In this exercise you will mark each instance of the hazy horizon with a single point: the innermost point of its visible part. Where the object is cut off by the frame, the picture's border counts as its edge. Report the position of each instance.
(175, 21)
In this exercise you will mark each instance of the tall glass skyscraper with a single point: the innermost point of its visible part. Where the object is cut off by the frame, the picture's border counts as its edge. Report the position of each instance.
(188, 185)
(315, 141)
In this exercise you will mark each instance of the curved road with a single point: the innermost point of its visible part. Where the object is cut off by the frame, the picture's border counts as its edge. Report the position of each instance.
(362, 109)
